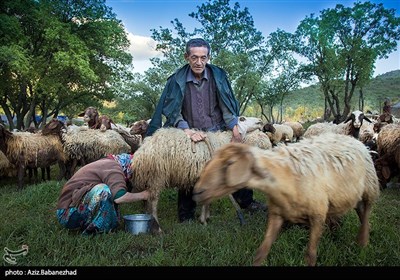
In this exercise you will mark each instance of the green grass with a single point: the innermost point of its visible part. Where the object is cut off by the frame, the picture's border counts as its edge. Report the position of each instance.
(28, 217)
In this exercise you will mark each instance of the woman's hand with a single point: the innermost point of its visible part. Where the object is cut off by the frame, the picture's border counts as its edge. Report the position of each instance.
(132, 197)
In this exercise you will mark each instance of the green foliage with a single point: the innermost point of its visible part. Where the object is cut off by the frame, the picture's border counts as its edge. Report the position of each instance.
(307, 104)
(342, 45)
(60, 55)
(28, 217)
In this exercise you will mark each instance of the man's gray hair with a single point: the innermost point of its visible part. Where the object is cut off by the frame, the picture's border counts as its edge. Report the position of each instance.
(197, 42)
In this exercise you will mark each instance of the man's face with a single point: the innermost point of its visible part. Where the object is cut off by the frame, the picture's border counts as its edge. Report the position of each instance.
(197, 60)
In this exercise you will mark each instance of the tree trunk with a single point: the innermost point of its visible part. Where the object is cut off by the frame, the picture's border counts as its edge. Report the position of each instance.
(361, 101)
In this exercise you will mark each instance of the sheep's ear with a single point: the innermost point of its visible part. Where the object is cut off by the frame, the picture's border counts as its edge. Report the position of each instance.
(259, 170)
(239, 170)
(347, 119)
(368, 120)
(53, 125)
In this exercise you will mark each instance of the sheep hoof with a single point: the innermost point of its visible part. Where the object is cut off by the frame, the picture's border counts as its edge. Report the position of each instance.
(155, 228)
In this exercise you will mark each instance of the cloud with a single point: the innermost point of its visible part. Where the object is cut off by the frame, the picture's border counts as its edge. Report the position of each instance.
(142, 49)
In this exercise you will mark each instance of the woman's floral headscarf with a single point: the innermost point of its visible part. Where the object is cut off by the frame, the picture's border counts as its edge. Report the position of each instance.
(125, 160)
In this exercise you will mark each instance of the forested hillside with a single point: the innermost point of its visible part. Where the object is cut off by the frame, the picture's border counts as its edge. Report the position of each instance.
(310, 101)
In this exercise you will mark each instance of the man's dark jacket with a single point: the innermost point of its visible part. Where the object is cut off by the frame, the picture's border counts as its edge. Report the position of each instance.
(170, 104)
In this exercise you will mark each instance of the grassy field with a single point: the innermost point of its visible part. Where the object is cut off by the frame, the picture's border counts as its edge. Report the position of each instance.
(28, 217)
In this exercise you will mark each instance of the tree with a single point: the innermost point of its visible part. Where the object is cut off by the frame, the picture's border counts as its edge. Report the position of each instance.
(144, 92)
(65, 53)
(237, 46)
(342, 45)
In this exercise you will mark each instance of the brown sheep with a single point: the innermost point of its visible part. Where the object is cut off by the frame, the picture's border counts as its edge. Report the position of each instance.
(313, 181)
(139, 127)
(298, 130)
(95, 121)
(388, 146)
(90, 116)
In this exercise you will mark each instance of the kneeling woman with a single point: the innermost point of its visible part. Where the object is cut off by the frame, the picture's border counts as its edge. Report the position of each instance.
(89, 200)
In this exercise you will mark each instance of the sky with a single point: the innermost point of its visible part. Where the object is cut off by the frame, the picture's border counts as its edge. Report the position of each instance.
(140, 16)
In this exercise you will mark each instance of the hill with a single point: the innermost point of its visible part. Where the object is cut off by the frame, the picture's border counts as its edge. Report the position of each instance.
(309, 101)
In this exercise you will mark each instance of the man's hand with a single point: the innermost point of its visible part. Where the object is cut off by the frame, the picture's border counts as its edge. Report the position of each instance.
(195, 136)
(236, 136)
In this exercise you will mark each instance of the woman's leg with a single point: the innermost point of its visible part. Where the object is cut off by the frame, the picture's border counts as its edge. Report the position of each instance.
(102, 213)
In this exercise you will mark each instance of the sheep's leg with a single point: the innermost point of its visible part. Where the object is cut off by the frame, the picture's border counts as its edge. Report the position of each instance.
(20, 175)
(73, 166)
(35, 175)
(30, 174)
(316, 230)
(48, 173)
(275, 223)
(152, 208)
(63, 171)
(363, 211)
(43, 171)
(205, 213)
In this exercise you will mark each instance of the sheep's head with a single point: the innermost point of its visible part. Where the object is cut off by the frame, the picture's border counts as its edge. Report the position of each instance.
(139, 127)
(4, 136)
(231, 167)
(103, 123)
(268, 127)
(90, 116)
(248, 124)
(357, 118)
(54, 127)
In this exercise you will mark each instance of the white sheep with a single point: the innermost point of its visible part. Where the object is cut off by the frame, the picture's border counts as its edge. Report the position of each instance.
(83, 145)
(325, 127)
(312, 182)
(351, 126)
(169, 159)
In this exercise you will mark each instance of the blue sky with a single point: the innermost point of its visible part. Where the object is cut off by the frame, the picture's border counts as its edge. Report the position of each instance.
(140, 16)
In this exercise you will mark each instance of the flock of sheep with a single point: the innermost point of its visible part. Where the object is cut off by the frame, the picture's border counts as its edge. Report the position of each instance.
(311, 176)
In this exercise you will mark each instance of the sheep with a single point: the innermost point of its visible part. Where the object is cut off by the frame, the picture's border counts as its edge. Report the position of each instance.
(133, 140)
(318, 129)
(356, 117)
(24, 149)
(347, 128)
(169, 159)
(297, 128)
(82, 145)
(278, 133)
(90, 116)
(312, 182)
(6, 168)
(95, 121)
(33, 171)
(388, 147)
(259, 139)
(139, 127)
(367, 132)
(103, 123)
